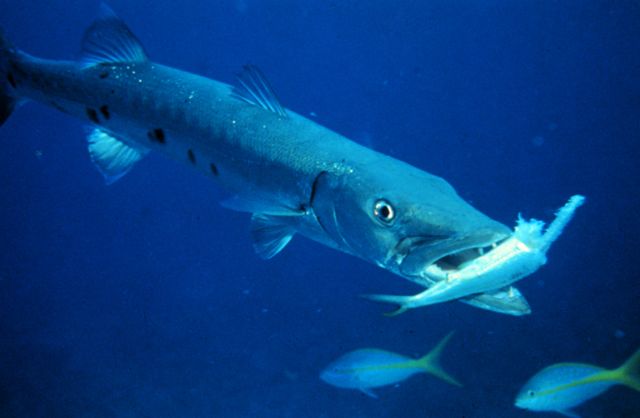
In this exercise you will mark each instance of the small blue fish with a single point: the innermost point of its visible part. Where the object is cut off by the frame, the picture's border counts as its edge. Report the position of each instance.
(563, 386)
(371, 367)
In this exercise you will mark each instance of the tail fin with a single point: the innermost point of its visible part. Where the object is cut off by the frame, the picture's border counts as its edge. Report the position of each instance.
(7, 102)
(431, 362)
(629, 373)
(398, 300)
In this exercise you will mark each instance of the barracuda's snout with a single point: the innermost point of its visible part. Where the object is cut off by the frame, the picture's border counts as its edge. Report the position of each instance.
(416, 254)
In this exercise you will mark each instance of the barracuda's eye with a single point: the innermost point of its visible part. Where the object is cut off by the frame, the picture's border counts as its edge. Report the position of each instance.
(531, 393)
(384, 212)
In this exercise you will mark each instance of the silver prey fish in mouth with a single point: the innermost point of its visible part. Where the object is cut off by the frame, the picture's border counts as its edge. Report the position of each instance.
(292, 175)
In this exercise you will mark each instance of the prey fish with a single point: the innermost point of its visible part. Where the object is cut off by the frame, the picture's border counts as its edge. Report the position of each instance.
(294, 176)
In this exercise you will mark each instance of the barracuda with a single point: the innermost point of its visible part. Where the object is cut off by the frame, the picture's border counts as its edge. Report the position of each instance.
(292, 175)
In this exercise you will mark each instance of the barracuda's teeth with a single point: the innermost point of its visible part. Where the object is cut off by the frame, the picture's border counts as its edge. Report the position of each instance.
(481, 251)
(494, 245)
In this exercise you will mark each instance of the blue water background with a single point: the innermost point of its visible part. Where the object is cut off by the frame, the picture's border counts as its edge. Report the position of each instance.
(144, 298)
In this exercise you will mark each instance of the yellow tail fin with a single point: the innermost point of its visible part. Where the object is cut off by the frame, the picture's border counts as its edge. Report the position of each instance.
(629, 373)
(431, 362)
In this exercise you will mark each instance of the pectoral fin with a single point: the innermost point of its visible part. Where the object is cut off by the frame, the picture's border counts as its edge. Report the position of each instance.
(260, 204)
(270, 234)
(272, 223)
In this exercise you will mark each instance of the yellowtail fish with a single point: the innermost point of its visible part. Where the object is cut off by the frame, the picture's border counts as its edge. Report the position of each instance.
(564, 386)
(368, 368)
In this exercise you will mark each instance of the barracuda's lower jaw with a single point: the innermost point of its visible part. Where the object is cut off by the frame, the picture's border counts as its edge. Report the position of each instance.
(416, 255)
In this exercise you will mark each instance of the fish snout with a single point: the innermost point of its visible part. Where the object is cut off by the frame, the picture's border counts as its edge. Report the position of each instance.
(526, 399)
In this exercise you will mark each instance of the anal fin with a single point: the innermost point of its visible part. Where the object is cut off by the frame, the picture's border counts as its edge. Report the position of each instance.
(111, 156)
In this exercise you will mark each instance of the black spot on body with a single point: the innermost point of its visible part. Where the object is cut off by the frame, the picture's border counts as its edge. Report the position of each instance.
(104, 109)
(11, 80)
(104, 74)
(92, 115)
(192, 156)
(214, 169)
(156, 135)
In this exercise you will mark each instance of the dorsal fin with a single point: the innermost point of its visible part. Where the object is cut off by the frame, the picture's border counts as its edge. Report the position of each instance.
(257, 90)
(109, 40)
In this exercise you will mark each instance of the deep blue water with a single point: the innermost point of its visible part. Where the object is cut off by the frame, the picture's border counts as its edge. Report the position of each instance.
(144, 298)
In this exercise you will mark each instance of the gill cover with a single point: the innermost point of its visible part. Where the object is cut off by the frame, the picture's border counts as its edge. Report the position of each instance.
(357, 214)
(323, 202)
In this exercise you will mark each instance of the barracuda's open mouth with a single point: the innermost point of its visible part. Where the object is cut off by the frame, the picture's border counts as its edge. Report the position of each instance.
(457, 260)
(436, 257)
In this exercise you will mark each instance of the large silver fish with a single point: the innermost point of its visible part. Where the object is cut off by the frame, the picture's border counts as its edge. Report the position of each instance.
(293, 175)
